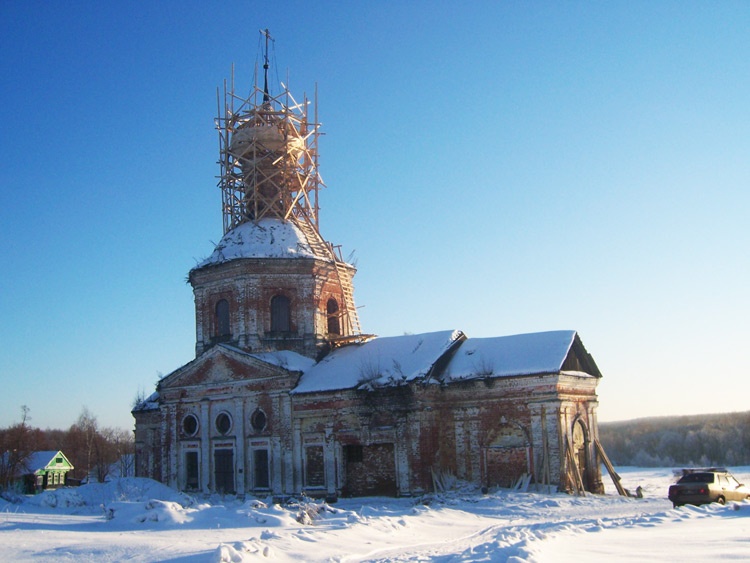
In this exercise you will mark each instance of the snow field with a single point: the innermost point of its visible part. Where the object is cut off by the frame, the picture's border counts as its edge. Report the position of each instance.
(141, 520)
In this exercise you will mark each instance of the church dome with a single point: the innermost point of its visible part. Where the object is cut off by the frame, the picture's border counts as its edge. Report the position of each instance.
(268, 238)
(250, 137)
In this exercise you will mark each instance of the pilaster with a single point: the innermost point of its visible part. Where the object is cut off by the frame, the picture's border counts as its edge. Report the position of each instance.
(205, 448)
(241, 462)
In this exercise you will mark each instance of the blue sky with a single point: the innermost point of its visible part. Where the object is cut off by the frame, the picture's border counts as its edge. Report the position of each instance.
(498, 168)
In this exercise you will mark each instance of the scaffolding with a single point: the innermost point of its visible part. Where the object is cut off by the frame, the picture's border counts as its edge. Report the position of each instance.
(268, 151)
(268, 159)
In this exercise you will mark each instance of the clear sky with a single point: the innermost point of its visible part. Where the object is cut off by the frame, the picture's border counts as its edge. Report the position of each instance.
(498, 168)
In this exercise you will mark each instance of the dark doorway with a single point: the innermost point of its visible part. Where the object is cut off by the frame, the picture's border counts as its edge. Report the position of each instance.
(315, 471)
(260, 469)
(224, 471)
(370, 470)
(191, 471)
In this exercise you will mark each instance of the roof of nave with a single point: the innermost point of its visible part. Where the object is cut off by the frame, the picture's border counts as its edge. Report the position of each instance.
(268, 238)
(379, 362)
(439, 357)
(517, 354)
(383, 362)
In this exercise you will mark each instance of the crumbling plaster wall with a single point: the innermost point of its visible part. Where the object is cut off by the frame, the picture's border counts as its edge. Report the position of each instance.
(450, 429)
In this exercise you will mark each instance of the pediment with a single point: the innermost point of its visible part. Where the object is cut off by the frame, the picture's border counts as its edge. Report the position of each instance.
(578, 359)
(220, 366)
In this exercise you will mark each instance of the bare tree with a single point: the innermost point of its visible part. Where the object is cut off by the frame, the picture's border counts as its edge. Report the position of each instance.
(25, 416)
(101, 448)
(104, 453)
(94, 452)
(124, 446)
(140, 396)
(83, 435)
(17, 443)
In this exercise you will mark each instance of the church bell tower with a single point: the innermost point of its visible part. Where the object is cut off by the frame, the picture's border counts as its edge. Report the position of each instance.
(272, 282)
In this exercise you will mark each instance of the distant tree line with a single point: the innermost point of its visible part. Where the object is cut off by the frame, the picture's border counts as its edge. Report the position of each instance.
(696, 440)
(94, 451)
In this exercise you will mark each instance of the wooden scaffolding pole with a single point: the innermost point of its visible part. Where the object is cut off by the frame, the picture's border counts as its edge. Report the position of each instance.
(610, 468)
(573, 469)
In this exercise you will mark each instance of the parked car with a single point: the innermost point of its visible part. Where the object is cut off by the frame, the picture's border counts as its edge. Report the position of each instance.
(707, 485)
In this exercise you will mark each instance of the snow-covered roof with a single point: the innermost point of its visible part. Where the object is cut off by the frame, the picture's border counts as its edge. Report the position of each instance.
(268, 238)
(40, 460)
(286, 359)
(396, 360)
(378, 362)
(519, 354)
(149, 404)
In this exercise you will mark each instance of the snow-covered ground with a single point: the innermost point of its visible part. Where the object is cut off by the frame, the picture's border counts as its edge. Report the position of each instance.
(140, 520)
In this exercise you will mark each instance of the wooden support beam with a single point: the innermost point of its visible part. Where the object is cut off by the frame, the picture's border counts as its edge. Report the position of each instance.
(573, 468)
(610, 468)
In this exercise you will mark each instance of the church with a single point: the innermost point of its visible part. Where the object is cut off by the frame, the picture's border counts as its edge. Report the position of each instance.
(286, 394)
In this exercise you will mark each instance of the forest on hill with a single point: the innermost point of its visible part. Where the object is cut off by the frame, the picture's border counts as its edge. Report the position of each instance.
(691, 440)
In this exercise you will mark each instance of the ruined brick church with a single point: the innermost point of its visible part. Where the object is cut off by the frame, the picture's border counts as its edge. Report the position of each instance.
(287, 395)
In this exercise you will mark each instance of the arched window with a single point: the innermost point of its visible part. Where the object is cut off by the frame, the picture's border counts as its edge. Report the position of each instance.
(280, 315)
(332, 309)
(223, 328)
